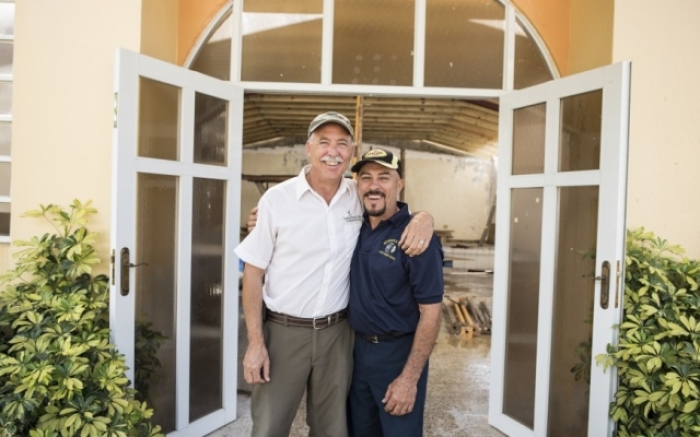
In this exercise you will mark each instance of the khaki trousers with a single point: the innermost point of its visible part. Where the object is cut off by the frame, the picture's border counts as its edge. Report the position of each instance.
(318, 361)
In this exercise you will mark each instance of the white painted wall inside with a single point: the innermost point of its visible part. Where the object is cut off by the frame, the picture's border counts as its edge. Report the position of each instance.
(455, 190)
(662, 40)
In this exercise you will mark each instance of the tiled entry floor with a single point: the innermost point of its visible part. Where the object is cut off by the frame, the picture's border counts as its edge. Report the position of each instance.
(458, 384)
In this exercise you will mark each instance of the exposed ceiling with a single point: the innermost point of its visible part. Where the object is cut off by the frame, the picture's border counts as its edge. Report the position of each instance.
(443, 125)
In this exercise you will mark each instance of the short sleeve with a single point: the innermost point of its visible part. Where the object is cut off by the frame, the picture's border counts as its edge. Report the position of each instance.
(425, 274)
(257, 247)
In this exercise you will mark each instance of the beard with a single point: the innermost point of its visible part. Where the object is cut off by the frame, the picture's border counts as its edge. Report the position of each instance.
(376, 212)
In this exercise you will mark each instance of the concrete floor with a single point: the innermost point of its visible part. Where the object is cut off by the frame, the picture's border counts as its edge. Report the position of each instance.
(458, 384)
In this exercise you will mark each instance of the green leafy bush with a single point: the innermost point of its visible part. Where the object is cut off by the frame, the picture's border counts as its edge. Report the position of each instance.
(59, 375)
(658, 354)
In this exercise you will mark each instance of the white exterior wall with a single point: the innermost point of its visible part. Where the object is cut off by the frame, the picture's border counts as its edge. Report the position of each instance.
(662, 39)
(63, 100)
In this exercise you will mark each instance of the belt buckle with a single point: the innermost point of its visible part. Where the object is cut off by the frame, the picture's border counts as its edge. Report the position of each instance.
(373, 338)
(328, 318)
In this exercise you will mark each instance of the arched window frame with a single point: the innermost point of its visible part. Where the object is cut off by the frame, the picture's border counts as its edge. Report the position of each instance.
(512, 17)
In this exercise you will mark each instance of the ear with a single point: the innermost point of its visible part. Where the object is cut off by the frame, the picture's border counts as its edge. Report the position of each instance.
(400, 185)
(309, 145)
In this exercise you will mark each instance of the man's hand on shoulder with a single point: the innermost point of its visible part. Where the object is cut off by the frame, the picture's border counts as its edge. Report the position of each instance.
(252, 219)
(415, 239)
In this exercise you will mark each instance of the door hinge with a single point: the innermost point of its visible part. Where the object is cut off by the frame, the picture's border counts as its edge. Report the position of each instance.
(111, 263)
(116, 106)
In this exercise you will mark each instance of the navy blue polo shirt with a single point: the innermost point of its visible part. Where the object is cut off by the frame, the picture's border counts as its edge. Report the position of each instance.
(386, 285)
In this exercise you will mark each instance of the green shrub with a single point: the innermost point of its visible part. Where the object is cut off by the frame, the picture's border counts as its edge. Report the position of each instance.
(59, 375)
(658, 354)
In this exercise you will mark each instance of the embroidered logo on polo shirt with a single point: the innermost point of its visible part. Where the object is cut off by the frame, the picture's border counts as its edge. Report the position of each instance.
(389, 248)
(352, 218)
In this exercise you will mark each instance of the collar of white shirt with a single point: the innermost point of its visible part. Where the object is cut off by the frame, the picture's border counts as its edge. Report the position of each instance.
(303, 185)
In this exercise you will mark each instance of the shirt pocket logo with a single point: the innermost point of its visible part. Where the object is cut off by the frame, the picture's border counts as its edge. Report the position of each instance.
(389, 248)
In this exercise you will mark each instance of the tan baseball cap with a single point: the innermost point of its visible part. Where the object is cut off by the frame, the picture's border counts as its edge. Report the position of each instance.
(331, 117)
(381, 157)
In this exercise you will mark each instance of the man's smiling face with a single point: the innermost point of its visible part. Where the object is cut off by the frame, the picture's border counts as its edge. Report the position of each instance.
(379, 189)
(329, 149)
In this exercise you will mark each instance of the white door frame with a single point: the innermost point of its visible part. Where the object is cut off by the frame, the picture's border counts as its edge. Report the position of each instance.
(121, 331)
(126, 165)
(612, 180)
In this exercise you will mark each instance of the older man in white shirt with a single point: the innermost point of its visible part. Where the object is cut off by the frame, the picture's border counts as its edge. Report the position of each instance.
(307, 228)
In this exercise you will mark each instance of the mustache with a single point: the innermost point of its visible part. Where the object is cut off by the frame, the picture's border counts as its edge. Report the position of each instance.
(332, 159)
(374, 193)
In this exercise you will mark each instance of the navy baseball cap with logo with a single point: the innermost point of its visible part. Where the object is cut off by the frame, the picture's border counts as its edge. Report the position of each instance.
(381, 157)
(331, 117)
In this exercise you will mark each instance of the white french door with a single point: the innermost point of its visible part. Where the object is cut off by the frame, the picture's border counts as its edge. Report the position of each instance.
(560, 252)
(175, 222)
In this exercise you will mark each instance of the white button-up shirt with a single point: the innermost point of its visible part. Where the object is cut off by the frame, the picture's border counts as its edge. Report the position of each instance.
(305, 245)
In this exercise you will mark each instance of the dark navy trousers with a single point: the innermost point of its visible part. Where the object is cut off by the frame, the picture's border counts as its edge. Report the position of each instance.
(376, 366)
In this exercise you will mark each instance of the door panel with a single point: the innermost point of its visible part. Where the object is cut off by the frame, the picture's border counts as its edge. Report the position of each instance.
(528, 139)
(155, 292)
(211, 134)
(206, 320)
(158, 118)
(176, 191)
(560, 215)
(572, 327)
(580, 129)
(523, 292)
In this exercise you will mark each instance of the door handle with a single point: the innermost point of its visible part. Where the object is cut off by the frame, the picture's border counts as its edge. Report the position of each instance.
(125, 266)
(604, 279)
(124, 271)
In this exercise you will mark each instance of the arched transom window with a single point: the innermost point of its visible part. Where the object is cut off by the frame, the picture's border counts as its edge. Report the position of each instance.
(476, 48)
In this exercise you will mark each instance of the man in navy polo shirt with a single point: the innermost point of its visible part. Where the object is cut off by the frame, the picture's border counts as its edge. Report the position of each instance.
(394, 309)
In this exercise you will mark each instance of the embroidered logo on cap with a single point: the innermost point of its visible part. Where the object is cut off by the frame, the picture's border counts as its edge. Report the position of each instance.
(375, 153)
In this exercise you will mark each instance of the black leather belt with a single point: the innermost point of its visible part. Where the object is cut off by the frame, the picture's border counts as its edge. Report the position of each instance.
(376, 338)
(299, 322)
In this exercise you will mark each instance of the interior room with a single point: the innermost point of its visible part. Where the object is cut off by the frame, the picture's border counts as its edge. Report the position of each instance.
(448, 149)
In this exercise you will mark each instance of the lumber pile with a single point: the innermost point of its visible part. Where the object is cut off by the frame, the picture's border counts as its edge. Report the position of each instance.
(466, 317)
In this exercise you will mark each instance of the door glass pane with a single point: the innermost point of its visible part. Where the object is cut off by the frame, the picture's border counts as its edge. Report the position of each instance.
(530, 65)
(159, 109)
(5, 138)
(579, 139)
(282, 40)
(206, 347)
(214, 58)
(5, 177)
(6, 57)
(210, 133)
(572, 324)
(155, 288)
(373, 42)
(528, 139)
(5, 209)
(523, 301)
(7, 19)
(464, 43)
(5, 98)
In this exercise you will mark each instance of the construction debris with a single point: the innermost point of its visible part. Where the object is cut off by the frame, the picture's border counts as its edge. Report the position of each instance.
(465, 317)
